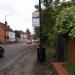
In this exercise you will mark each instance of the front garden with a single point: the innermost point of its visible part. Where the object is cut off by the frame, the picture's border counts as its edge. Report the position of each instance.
(65, 27)
(58, 21)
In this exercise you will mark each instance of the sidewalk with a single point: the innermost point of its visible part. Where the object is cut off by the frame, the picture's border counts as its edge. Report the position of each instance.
(40, 69)
(26, 65)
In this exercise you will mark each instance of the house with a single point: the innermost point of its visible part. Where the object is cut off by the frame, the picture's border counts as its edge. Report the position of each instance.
(10, 34)
(20, 36)
(2, 33)
(17, 35)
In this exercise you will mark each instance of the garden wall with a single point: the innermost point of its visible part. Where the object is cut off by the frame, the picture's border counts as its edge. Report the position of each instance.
(58, 69)
(71, 51)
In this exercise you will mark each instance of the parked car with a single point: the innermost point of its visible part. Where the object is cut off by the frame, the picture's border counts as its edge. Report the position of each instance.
(33, 41)
(29, 42)
(1, 51)
(37, 41)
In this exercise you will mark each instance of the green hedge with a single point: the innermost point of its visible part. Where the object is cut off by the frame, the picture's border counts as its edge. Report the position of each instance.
(65, 22)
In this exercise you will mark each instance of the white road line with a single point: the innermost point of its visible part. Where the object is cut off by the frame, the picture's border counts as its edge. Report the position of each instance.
(13, 60)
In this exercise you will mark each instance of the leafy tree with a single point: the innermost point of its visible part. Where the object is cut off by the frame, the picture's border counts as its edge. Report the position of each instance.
(28, 31)
(65, 22)
(57, 2)
(37, 7)
(47, 20)
(37, 32)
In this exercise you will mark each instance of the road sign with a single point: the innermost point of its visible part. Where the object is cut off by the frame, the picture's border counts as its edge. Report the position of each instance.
(35, 19)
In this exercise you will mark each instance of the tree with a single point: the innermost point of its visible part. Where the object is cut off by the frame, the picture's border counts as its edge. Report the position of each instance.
(65, 22)
(57, 2)
(37, 32)
(28, 34)
(47, 20)
(28, 31)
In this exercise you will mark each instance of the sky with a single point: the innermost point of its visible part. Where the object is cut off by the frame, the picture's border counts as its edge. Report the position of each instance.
(18, 13)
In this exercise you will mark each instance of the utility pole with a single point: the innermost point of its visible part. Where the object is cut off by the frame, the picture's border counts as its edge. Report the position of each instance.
(41, 50)
(41, 37)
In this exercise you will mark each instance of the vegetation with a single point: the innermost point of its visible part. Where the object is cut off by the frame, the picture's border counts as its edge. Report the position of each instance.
(47, 21)
(50, 12)
(71, 68)
(65, 22)
(56, 18)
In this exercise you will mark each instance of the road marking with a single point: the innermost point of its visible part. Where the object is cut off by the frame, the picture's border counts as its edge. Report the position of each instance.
(14, 59)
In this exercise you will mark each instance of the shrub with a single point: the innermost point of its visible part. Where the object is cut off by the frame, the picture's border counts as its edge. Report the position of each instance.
(71, 68)
(51, 40)
(65, 22)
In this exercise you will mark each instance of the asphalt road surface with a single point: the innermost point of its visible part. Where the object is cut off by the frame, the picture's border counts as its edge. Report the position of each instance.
(12, 52)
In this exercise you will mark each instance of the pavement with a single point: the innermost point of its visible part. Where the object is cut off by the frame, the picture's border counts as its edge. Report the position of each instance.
(26, 65)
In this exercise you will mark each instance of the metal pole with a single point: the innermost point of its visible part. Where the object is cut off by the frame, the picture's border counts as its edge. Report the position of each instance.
(41, 50)
(41, 39)
(5, 18)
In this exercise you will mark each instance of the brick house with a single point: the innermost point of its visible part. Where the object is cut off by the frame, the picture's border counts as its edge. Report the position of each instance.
(2, 33)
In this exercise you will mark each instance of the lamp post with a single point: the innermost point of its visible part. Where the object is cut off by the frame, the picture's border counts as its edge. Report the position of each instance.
(5, 18)
(6, 35)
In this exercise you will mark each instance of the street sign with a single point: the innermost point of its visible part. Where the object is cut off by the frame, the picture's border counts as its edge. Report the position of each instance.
(35, 19)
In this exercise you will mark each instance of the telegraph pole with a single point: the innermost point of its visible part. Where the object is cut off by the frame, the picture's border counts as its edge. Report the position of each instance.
(41, 37)
(41, 50)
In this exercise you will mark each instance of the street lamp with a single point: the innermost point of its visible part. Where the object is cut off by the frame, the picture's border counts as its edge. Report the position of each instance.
(5, 18)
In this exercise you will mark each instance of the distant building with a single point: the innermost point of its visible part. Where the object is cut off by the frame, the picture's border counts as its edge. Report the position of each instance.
(20, 36)
(11, 35)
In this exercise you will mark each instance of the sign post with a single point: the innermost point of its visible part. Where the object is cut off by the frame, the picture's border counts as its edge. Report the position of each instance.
(35, 19)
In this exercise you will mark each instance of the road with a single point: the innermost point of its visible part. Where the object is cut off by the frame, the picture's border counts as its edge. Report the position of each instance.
(12, 52)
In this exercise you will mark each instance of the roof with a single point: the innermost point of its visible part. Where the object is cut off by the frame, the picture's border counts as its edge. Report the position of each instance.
(5, 27)
(19, 31)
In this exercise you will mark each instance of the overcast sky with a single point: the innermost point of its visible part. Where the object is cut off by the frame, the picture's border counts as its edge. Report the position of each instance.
(18, 13)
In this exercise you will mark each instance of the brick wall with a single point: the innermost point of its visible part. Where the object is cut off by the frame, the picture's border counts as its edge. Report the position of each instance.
(2, 35)
(58, 69)
(71, 51)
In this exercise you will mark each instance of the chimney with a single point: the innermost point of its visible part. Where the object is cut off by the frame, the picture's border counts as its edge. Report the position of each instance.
(6, 23)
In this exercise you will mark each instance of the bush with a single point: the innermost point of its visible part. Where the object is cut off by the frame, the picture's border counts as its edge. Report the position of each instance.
(65, 22)
(71, 68)
(51, 40)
